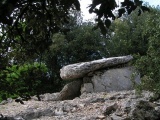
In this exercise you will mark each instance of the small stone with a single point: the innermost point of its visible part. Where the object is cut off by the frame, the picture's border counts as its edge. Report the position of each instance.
(109, 118)
(18, 118)
(82, 105)
(126, 105)
(107, 110)
(74, 109)
(59, 112)
(101, 117)
(3, 102)
(89, 107)
(115, 117)
(9, 100)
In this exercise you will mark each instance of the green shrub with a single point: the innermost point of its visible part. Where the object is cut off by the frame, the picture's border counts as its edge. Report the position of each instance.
(24, 80)
(149, 64)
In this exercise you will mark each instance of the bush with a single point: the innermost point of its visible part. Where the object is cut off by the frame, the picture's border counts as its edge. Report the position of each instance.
(24, 80)
(149, 64)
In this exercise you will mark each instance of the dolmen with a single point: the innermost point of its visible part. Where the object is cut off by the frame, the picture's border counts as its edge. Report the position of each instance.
(103, 75)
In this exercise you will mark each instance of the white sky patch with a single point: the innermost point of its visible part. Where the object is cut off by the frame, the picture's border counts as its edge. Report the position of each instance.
(86, 3)
(84, 9)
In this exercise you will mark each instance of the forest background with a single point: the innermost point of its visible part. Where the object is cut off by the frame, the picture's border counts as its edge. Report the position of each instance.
(36, 42)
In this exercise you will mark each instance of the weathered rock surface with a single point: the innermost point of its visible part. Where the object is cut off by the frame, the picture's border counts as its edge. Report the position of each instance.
(111, 80)
(87, 88)
(69, 91)
(79, 70)
(89, 99)
(124, 105)
(9, 100)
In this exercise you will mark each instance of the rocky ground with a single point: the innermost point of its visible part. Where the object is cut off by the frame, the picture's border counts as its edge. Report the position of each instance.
(123, 105)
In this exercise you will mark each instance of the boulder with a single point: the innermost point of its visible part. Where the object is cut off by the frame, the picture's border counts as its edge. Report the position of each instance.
(79, 70)
(116, 79)
(87, 87)
(70, 90)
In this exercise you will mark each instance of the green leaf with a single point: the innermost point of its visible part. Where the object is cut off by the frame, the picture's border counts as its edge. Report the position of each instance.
(77, 5)
(107, 23)
(144, 8)
(102, 27)
(120, 12)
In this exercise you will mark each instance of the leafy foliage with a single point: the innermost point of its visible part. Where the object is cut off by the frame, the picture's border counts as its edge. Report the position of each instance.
(44, 31)
(106, 7)
(78, 45)
(139, 36)
(24, 80)
(127, 36)
(60, 8)
(27, 26)
(18, 54)
(149, 65)
(85, 44)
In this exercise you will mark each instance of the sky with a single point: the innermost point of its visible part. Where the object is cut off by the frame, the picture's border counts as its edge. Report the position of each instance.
(86, 3)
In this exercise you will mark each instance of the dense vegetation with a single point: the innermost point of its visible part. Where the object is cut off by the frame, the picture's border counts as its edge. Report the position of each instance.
(149, 64)
(32, 50)
(55, 13)
(23, 80)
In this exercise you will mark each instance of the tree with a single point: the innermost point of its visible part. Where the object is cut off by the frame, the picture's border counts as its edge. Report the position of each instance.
(17, 11)
(105, 11)
(27, 25)
(28, 28)
(81, 44)
(127, 35)
(149, 64)
(19, 53)
(78, 45)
